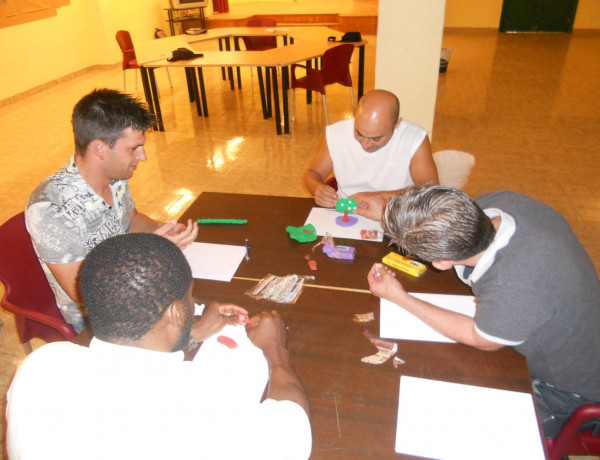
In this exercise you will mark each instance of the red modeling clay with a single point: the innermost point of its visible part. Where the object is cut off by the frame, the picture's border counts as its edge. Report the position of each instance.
(312, 264)
(227, 341)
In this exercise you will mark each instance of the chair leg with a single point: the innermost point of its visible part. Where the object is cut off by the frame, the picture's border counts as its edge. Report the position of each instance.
(325, 109)
(171, 83)
(27, 347)
(352, 98)
(292, 104)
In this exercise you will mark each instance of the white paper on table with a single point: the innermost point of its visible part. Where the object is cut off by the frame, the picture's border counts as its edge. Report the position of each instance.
(324, 221)
(217, 262)
(451, 421)
(397, 323)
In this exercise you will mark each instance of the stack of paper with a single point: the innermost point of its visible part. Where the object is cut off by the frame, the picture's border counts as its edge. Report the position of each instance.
(449, 421)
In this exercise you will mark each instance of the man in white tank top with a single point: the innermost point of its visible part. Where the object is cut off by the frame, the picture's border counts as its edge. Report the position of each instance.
(373, 156)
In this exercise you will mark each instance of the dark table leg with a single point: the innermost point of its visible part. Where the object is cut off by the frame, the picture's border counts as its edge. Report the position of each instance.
(361, 70)
(236, 42)
(308, 92)
(202, 91)
(157, 110)
(284, 96)
(221, 49)
(196, 95)
(229, 69)
(189, 73)
(148, 95)
(268, 78)
(273, 70)
(261, 87)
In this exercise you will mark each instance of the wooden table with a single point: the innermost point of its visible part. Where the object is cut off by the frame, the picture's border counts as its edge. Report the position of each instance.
(153, 54)
(354, 405)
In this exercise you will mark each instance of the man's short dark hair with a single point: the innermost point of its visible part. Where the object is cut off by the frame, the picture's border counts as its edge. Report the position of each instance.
(435, 222)
(128, 281)
(104, 114)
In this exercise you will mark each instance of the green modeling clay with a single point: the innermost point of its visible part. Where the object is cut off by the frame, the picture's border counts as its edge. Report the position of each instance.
(222, 221)
(346, 204)
(303, 234)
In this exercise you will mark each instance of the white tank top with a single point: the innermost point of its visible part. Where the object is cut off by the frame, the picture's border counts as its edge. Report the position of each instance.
(385, 169)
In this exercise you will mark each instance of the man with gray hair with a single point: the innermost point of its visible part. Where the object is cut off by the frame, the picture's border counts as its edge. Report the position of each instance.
(535, 287)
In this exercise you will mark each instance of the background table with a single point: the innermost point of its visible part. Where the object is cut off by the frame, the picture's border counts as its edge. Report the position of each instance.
(354, 405)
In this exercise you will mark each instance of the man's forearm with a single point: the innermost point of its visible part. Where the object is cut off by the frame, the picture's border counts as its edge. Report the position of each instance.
(455, 326)
(284, 383)
(141, 223)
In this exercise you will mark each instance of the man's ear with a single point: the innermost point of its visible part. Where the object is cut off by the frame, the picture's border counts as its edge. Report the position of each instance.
(175, 314)
(442, 264)
(98, 148)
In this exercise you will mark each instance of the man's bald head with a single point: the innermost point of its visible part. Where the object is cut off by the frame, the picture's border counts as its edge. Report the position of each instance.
(375, 118)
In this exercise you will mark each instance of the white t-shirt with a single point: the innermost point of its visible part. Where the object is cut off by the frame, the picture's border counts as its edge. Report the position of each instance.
(117, 402)
(386, 169)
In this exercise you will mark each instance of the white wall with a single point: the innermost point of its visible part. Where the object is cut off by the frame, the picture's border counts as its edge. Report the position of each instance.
(409, 39)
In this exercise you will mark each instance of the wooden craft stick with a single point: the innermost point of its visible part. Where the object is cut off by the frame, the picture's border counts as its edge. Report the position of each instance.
(318, 286)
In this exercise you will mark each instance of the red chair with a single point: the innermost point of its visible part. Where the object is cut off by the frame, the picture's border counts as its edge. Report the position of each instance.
(129, 58)
(335, 69)
(580, 435)
(264, 42)
(27, 293)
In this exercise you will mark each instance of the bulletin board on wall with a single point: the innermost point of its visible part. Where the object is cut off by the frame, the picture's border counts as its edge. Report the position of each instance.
(13, 12)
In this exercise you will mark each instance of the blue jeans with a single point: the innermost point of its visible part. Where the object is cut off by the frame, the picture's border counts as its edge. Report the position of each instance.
(555, 406)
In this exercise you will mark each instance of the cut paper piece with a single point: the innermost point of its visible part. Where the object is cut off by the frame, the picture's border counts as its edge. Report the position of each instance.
(227, 341)
(363, 317)
(323, 220)
(368, 234)
(463, 422)
(397, 362)
(280, 289)
(385, 349)
(304, 234)
(398, 324)
(217, 262)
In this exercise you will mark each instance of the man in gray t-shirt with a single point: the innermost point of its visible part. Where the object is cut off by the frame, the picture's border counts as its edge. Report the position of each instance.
(88, 200)
(536, 288)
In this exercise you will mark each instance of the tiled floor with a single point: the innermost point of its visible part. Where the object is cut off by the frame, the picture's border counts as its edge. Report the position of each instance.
(525, 105)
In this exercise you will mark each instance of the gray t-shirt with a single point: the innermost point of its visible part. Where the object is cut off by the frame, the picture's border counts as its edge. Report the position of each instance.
(542, 291)
(66, 219)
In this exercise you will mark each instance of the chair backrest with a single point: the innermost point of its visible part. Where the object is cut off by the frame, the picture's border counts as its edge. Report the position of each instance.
(27, 292)
(260, 43)
(126, 44)
(576, 437)
(336, 65)
(453, 167)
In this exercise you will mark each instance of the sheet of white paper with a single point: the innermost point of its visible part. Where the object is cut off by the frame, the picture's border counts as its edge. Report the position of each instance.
(223, 367)
(217, 262)
(397, 323)
(451, 421)
(324, 221)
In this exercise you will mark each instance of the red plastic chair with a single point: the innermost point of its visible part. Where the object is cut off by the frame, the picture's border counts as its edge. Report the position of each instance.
(129, 58)
(260, 43)
(27, 292)
(579, 436)
(335, 69)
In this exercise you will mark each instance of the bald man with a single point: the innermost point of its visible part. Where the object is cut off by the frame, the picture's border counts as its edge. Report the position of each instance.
(373, 156)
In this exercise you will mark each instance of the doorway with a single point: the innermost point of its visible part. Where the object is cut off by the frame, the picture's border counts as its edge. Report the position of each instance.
(538, 15)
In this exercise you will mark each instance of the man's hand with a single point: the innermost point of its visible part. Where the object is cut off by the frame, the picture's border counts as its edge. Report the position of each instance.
(383, 283)
(215, 317)
(326, 196)
(179, 234)
(371, 204)
(266, 331)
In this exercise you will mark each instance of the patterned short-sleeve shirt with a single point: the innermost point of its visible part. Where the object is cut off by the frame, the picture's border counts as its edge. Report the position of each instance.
(66, 219)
